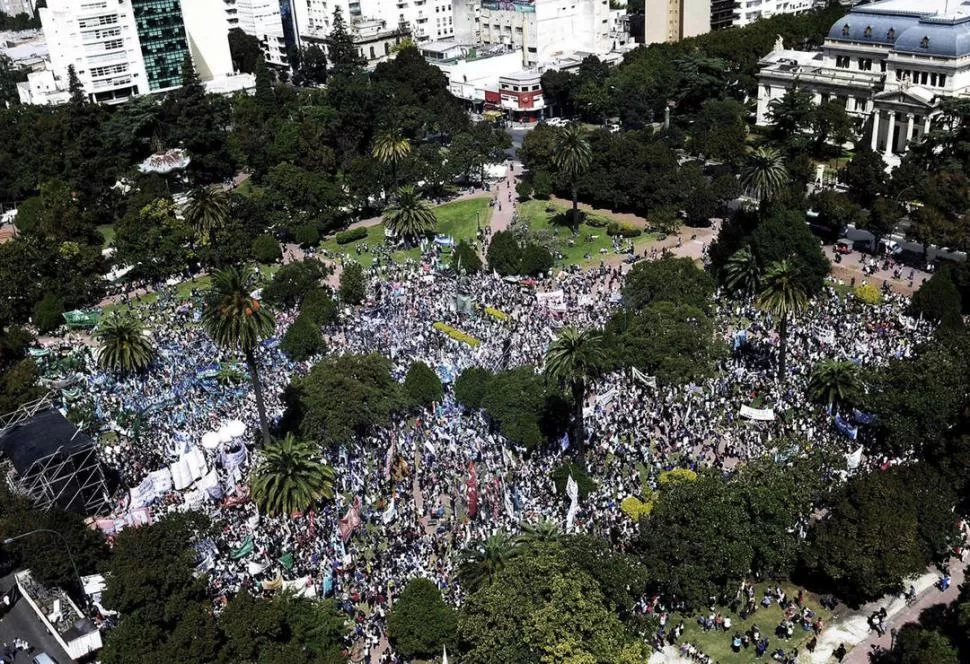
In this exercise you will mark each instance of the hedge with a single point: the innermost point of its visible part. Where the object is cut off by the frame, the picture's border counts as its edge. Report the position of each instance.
(495, 313)
(868, 294)
(352, 235)
(457, 335)
(622, 229)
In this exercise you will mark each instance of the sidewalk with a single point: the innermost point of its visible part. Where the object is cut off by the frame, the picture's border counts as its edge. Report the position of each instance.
(899, 614)
(852, 627)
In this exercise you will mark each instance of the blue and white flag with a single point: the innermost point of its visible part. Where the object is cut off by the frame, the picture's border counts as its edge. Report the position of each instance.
(845, 428)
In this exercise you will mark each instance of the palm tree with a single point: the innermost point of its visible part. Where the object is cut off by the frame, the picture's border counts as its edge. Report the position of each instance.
(123, 345)
(290, 477)
(571, 359)
(207, 212)
(783, 296)
(835, 383)
(236, 320)
(483, 560)
(543, 531)
(572, 156)
(764, 174)
(391, 147)
(742, 272)
(409, 216)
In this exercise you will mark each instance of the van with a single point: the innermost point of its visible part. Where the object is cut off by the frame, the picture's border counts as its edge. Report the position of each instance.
(43, 658)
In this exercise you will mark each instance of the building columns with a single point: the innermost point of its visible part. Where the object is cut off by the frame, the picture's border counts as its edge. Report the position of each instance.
(926, 125)
(890, 130)
(848, 103)
(909, 131)
(875, 129)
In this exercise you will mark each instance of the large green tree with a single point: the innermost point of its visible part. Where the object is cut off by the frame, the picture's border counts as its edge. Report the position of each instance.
(343, 397)
(123, 346)
(782, 296)
(573, 358)
(409, 216)
(865, 549)
(237, 321)
(420, 624)
(290, 477)
(541, 609)
(670, 279)
(572, 158)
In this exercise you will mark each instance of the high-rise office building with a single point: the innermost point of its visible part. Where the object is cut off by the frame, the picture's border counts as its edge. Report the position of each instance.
(164, 45)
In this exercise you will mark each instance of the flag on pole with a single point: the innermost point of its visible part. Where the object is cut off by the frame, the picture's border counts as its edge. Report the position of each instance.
(572, 490)
(509, 509)
(389, 514)
(472, 490)
(348, 524)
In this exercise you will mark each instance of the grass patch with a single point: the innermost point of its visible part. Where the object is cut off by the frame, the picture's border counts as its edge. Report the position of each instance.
(590, 241)
(246, 188)
(459, 219)
(108, 231)
(717, 644)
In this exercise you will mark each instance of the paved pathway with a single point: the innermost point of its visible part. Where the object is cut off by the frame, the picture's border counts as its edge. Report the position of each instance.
(928, 595)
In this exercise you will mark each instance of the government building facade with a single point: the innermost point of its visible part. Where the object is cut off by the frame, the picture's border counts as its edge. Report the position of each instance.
(889, 62)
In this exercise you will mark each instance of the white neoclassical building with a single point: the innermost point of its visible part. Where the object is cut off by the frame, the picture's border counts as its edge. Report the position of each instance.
(890, 62)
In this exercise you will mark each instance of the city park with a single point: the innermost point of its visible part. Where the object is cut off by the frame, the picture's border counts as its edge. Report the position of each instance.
(390, 397)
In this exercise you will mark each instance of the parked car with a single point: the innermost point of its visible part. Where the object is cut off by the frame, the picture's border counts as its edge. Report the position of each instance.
(843, 246)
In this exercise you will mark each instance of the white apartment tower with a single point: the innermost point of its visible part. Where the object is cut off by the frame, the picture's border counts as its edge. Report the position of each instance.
(15, 7)
(428, 20)
(123, 48)
(263, 20)
(100, 39)
(543, 29)
(749, 11)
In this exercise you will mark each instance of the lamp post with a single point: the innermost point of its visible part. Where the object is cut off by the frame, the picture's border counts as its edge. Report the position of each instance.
(67, 547)
(892, 639)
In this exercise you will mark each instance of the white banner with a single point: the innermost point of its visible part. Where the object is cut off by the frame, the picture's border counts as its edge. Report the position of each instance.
(551, 298)
(760, 414)
(572, 490)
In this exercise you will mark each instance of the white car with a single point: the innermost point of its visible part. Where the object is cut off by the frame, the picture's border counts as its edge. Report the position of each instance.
(557, 122)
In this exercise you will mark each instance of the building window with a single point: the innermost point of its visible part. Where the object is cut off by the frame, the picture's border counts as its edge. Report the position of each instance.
(845, 30)
(882, 66)
(925, 43)
(868, 32)
(842, 61)
(865, 64)
(933, 79)
(891, 35)
(942, 80)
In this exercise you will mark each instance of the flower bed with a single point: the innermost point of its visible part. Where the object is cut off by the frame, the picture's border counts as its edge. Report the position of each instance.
(457, 335)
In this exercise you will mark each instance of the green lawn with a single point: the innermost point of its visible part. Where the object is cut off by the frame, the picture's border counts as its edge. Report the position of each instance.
(459, 219)
(108, 231)
(246, 188)
(591, 238)
(717, 644)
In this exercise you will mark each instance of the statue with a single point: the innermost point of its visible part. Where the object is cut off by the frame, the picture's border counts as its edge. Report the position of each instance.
(779, 45)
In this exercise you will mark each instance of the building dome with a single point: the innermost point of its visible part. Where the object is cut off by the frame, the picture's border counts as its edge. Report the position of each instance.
(949, 39)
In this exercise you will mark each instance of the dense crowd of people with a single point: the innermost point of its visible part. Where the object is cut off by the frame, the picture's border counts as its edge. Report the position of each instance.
(408, 483)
